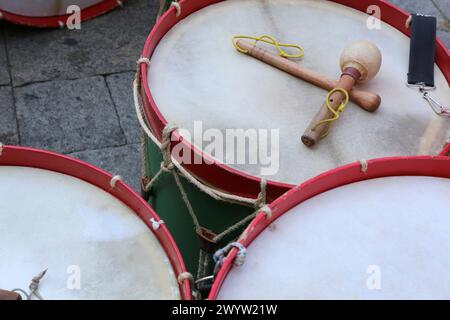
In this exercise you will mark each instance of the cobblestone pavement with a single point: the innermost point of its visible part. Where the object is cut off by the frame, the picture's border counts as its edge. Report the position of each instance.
(70, 91)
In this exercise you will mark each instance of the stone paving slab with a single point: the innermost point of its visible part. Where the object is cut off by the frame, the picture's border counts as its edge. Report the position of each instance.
(68, 115)
(120, 86)
(108, 44)
(445, 37)
(4, 73)
(422, 6)
(444, 7)
(124, 161)
(8, 124)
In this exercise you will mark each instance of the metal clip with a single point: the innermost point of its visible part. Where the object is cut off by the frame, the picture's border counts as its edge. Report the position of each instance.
(437, 108)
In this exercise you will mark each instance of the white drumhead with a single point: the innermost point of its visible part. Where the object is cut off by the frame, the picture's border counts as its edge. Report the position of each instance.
(384, 238)
(93, 245)
(43, 8)
(196, 74)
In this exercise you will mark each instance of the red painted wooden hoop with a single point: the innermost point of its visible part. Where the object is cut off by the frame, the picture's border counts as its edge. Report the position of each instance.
(55, 21)
(220, 175)
(28, 157)
(378, 168)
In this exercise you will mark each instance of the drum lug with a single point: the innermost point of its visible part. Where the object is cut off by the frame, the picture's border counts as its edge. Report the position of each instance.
(207, 242)
(144, 182)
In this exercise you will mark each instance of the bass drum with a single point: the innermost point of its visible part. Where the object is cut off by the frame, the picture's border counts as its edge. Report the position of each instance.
(52, 13)
(96, 237)
(193, 77)
(377, 230)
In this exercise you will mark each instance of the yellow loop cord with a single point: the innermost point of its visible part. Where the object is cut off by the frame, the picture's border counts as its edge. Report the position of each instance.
(336, 113)
(271, 40)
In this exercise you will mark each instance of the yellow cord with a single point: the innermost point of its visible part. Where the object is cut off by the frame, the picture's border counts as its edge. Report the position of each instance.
(271, 40)
(336, 113)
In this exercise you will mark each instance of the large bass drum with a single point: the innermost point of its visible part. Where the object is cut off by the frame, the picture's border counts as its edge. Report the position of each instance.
(93, 235)
(375, 231)
(190, 73)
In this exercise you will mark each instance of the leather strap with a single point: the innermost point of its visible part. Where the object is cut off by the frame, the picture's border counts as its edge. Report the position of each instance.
(422, 50)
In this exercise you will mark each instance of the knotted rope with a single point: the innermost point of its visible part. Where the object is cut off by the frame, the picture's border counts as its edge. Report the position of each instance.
(171, 165)
(336, 113)
(270, 40)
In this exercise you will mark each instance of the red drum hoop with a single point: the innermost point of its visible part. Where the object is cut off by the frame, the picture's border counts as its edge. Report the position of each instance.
(224, 177)
(33, 158)
(55, 21)
(446, 151)
(378, 168)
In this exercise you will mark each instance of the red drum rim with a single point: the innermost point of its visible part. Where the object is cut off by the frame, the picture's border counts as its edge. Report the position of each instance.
(378, 168)
(60, 21)
(41, 159)
(220, 175)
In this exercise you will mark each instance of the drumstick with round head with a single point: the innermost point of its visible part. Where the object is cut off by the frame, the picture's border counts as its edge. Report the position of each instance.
(367, 100)
(360, 62)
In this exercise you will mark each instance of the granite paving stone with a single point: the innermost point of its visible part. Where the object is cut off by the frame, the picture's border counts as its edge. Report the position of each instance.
(68, 115)
(124, 161)
(444, 7)
(107, 44)
(8, 123)
(4, 73)
(445, 37)
(424, 7)
(121, 88)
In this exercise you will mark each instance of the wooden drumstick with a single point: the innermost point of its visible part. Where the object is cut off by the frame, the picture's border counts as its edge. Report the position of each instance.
(360, 62)
(9, 295)
(369, 101)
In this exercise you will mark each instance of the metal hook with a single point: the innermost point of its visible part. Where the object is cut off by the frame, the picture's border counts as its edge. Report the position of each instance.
(439, 109)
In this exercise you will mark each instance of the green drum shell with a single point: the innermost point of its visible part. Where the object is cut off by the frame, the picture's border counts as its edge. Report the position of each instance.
(215, 215)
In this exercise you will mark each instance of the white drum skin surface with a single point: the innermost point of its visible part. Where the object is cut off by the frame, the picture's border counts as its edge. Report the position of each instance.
(197, 74)
(43, 8)
(92, 244)
(384, 238)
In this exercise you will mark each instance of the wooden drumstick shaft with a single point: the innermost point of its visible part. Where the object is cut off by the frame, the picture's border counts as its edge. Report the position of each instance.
(9, 295)
(314, 132)
(369, 101)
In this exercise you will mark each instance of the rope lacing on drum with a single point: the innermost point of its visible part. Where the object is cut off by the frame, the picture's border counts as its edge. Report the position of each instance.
(171, 165)
(220, 255)
(114, 181)
(267, 212)
(364, 165)
(177, 7)
(34, 287)
(163, 6)
(188, 276)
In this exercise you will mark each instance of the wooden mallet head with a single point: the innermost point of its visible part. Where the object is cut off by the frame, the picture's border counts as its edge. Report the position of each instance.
(363, 56)
(360, 62)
